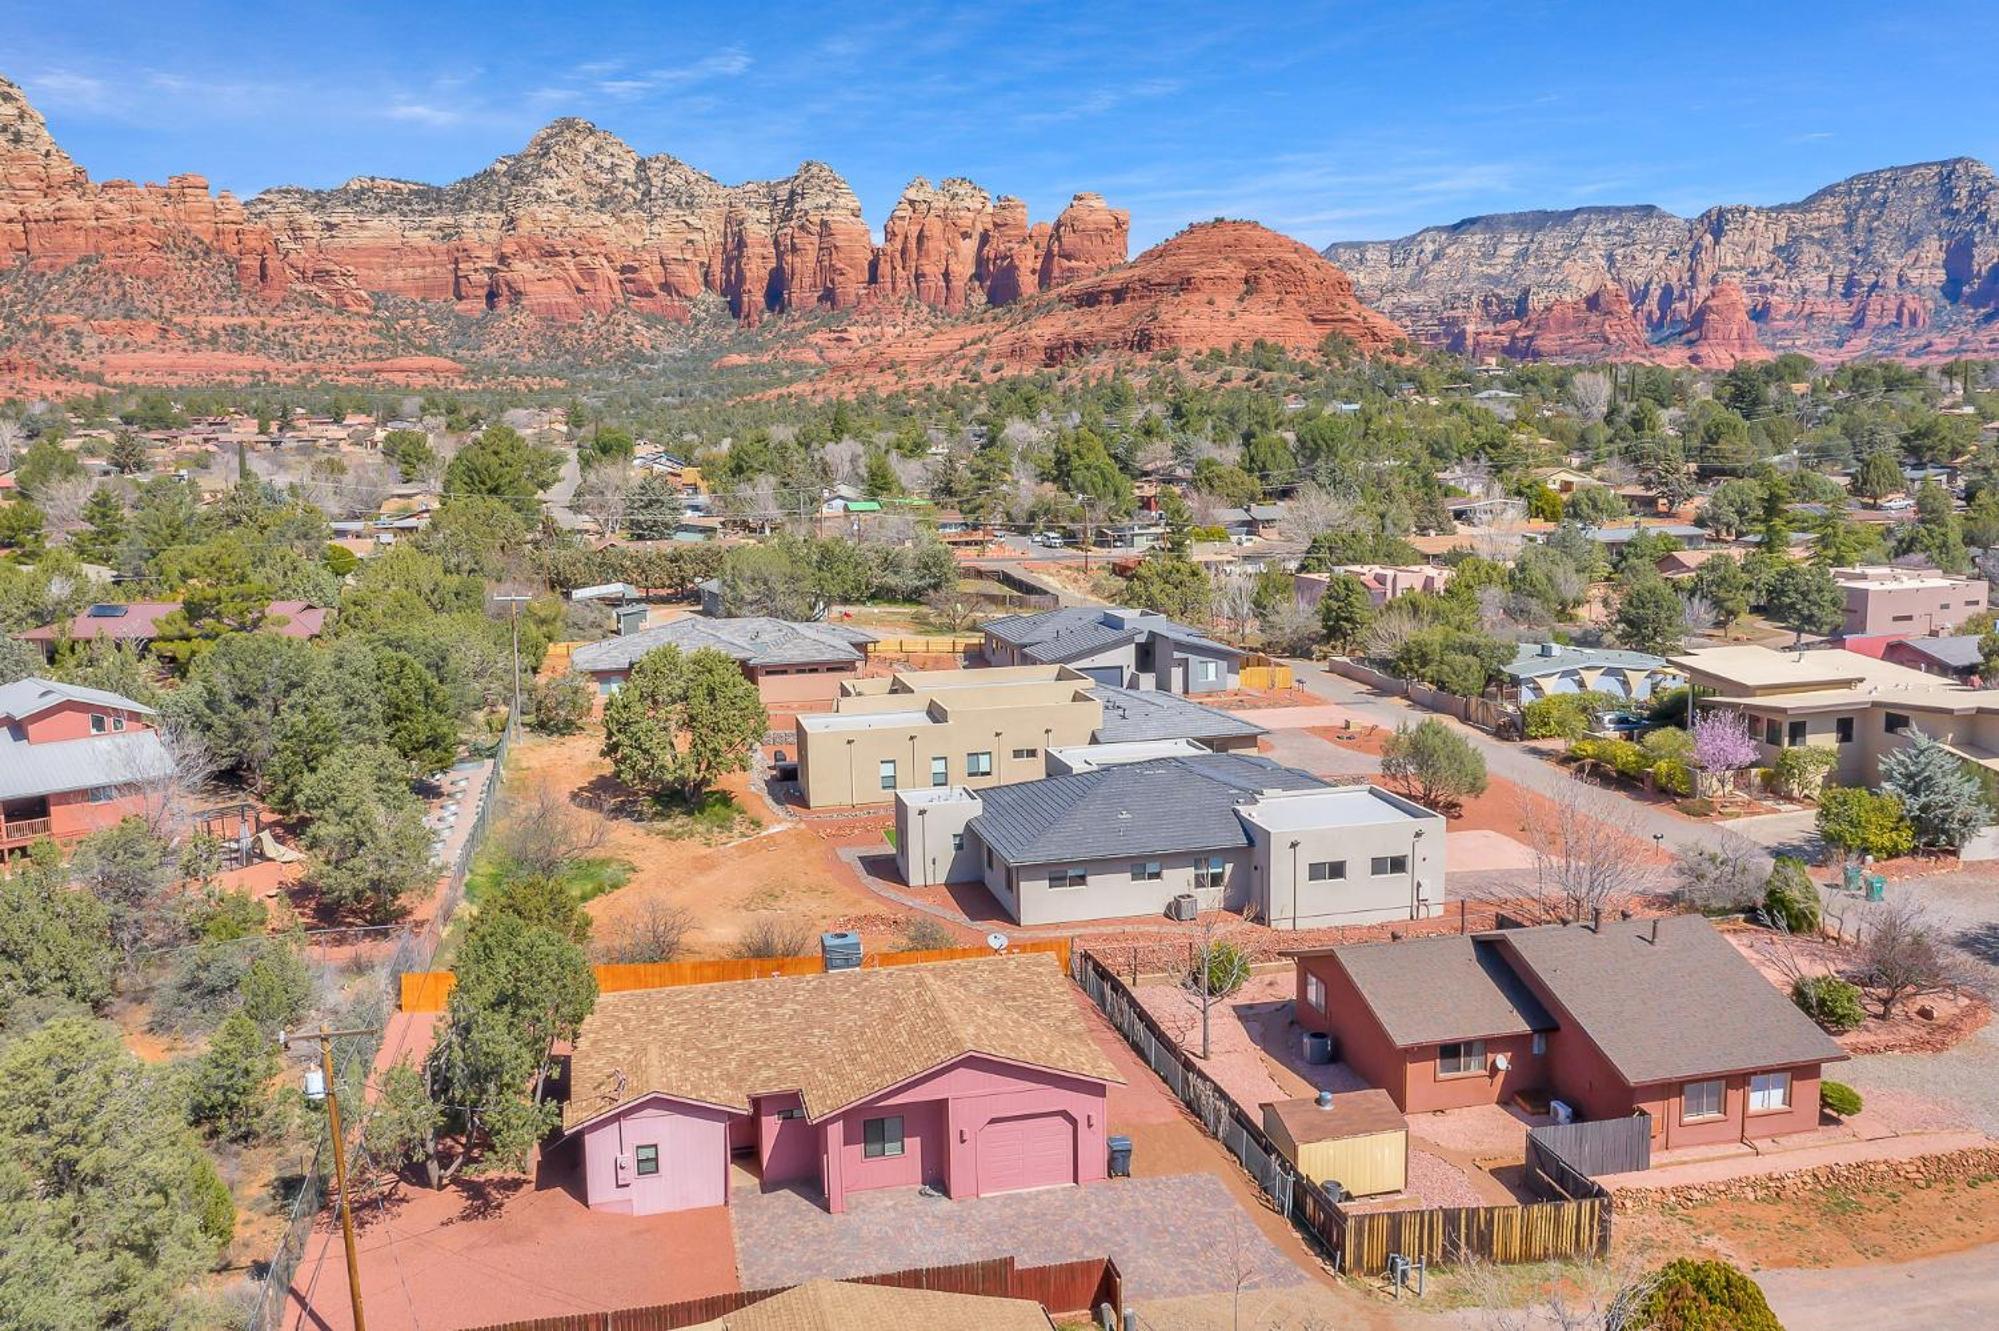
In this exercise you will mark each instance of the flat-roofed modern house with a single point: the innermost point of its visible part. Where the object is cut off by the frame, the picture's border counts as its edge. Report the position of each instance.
(1859, 707)
(970, 1077)
(789, 662)
(1136, 649)
(924, 730)
(1543, 669)
(72, 760)
(1661, 1016)
(1223, 830)
(1913, 601)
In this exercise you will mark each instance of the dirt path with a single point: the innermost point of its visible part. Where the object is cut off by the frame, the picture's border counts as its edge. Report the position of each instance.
(1958, 1290)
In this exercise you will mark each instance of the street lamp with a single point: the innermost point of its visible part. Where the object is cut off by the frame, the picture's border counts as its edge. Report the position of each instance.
(319, 1086)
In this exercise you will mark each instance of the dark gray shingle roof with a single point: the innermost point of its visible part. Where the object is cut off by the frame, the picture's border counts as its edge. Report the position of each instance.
(1132, 714)
(1959, 653)
(1440, 990)
(1055, 636)
(1686, 1006)
(1166, 806)
(752, 640)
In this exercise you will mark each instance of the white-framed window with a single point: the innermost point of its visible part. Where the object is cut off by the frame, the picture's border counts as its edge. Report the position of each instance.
(103, 794)
(1384, 865)
(1315, 992)
(887, 773)
(1147, 871)
(979, 764)
(1209, 873)
(646, 1160)
(1462, 1059)
(881, 1137)
(99, 723)
(940, 771)
(1063, 879)
(117, 722)
(1207, 671)
(1021, 755)
(1326, 871)
(1702, 1099)
(1768, 1091)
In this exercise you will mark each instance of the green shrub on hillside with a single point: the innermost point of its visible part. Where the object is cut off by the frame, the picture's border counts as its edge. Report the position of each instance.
(1790, 898)
(1830, 1001)
(1563, 715)
(1690, 1295)
(1861, 822)
(1836, 1097)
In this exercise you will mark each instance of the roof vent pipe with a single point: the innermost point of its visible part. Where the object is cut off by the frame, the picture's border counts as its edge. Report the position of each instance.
(1324, 1100)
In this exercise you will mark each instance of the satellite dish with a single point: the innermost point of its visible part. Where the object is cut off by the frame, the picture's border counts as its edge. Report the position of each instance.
(996, 941)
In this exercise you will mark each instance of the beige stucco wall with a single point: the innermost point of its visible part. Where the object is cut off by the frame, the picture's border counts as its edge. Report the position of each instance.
(1288, 902)
(838, 767)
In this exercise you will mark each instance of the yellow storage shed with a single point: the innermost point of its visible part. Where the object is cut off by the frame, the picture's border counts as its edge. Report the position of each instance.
(1358, 1139)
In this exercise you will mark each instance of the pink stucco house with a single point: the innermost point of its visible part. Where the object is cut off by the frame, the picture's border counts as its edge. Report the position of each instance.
(974, 1077)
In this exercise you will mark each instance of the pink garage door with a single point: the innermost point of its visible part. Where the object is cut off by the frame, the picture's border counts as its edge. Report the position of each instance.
(1036, 1151)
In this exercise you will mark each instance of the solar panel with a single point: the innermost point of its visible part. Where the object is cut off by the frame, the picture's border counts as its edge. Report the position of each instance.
(108, 611)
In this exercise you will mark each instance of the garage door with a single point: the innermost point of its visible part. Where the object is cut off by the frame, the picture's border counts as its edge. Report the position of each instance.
(1037, 1151)
(1112, 675)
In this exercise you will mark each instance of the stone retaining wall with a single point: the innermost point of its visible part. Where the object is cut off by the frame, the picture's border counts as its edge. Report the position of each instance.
(1920, 1170)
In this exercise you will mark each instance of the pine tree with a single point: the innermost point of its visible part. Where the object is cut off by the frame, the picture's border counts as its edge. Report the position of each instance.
(1942, 799)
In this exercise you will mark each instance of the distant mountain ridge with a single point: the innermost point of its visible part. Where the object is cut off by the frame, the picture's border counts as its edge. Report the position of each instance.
(577, 223)
(1902, 261)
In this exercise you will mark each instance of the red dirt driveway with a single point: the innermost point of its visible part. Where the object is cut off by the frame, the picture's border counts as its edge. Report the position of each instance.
(505, 1249)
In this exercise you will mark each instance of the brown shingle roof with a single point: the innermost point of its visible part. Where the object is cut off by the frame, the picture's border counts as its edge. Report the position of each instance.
(1686, 1006)
(1352, 1114)
(835, 1305)
(835, 1038)
(1439, 990)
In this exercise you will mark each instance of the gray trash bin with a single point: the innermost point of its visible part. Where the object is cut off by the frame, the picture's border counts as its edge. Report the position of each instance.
(1120, 1150)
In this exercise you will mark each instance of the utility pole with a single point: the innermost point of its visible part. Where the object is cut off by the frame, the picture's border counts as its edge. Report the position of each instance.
(513, 604)
(332, 1095)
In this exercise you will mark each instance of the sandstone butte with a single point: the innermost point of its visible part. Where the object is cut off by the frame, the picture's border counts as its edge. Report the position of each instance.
(1212, 286)
(575, 224)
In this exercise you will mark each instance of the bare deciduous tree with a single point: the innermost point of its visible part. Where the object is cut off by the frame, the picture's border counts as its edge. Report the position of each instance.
(1314, 510)
(655, 932)
(10, 440)
(1589, 392)
(173, 782)
(1728, 876)
(1589, 856)
(1602, 1296)
(1233, 603)
(544, 833)
(62, 501)
(603, 497)
(846, 461)
(1904, 952)
(912, 474)
(756, 501)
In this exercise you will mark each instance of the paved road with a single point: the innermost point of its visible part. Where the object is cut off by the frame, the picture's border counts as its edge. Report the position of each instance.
(1958, 1290)
(563, 491)
(1517, 764)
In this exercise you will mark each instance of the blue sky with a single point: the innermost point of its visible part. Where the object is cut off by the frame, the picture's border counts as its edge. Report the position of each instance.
(1326, 121)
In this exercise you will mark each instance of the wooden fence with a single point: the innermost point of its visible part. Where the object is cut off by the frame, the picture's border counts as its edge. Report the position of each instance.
(1078, 1287)
(1484, 713)
(1357, 1243)
(430, 991)
(1564, 1159)
(945, 644)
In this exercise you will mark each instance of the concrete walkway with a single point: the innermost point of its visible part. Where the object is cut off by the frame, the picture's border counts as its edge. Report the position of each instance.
(1519, 765)
(1733, 1166)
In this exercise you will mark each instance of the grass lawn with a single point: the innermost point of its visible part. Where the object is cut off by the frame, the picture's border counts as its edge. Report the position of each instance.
(715, 817)
(586, 878)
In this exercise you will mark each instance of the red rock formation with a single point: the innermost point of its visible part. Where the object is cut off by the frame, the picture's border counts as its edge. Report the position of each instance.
(1721, 333)
(1089, 237)
(1601, 326)
(952, 246)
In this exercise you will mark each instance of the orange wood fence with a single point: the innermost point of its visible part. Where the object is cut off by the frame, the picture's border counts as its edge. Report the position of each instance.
(430, 991)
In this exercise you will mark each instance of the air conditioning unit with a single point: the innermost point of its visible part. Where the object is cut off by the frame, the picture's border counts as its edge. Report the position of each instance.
(1185, 907)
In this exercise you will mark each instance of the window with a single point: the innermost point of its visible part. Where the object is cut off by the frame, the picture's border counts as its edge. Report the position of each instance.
(1021, 755)
(1902, 619)
(940, 771)
(1326, 871)
(647, 1159)
(1315, 992)
(103, 794)
(1540, 1043)
(99, 723)
(1461, 1060)
(1387, 864)
(887, 770)
(881, 1137)
(1895, 723)
(957, 841)
(795, 1111)
(1699, 1100)
(989, 857)
(1147, 872)
(1842, 729)
(1209, 873)
(1796, 736)
(1771, 731)
(1208, 671)
(1063, 879)
(1768, 1091)
(979, 764)
(117, 723)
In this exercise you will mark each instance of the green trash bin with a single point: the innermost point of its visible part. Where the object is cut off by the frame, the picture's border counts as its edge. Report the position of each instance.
(1877, 887)
(1852, 879)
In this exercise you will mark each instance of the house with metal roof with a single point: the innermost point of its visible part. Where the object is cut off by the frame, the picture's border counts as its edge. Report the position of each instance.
(1136, 649)
(1959, 657)
(1656, 1016)
(787, 661)
(72, 760)
(137, 623)
(968, 1077)
(1177, 835)
(1543, 669)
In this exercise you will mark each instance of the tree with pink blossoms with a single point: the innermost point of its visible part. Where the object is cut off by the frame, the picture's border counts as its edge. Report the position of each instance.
(1722, 747)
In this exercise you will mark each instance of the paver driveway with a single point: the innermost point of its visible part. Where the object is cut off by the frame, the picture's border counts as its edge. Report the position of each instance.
(1170, 1235)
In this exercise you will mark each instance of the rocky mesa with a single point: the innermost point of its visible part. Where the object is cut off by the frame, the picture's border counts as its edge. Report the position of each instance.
(576, 223)
(1902, 261)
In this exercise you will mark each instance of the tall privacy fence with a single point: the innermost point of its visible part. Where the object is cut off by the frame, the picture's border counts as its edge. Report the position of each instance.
(1078, 1287)
(1484, 713)
(1355, 1242)
(403, 948)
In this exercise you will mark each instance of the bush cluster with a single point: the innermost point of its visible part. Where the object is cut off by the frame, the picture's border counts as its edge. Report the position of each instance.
(1830, 1001)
